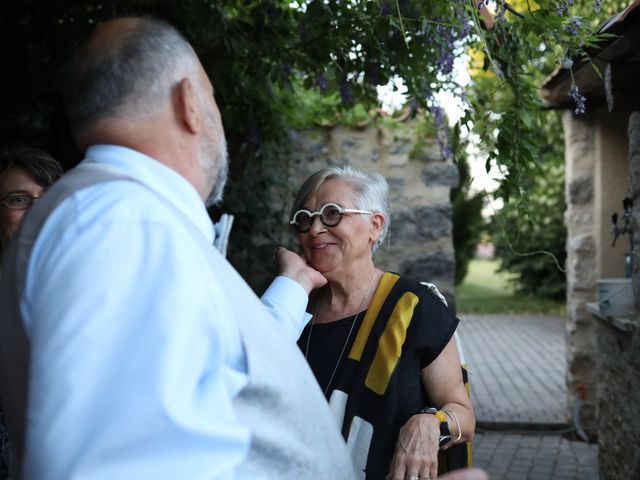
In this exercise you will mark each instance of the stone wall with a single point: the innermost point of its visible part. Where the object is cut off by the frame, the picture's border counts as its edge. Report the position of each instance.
(619, 360)
(419, 243)
(602, 167)
(596, 183)
(581, 262)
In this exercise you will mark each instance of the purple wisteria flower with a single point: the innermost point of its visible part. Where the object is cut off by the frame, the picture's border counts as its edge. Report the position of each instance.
(579, 100)
(442, 131)
(346, 93)
(573, 26)
(322, 83)
(465, 23)
(439, 121)
(562, 7)
(566, 63)
(413, 106)
(445, 38)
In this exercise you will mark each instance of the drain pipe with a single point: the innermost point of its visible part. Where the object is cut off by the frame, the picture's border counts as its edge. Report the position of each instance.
(578, 398)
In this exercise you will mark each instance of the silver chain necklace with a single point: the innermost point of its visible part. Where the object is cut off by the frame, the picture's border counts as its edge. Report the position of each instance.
(346, 342)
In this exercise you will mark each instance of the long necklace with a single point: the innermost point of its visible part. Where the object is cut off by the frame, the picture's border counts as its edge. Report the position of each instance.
(346, 342)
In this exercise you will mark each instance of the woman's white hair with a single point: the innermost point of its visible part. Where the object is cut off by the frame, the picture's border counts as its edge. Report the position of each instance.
(371, 192)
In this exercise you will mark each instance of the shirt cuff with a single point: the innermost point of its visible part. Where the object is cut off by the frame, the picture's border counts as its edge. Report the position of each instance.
(287, 301)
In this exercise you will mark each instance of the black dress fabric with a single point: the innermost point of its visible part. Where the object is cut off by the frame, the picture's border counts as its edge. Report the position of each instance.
(405, 332)
(4, 448)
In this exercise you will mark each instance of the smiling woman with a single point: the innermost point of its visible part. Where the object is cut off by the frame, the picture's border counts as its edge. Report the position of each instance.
(381, 346)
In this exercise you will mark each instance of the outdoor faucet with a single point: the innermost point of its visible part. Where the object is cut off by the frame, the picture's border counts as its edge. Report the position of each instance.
(615, 230)
(626, 229)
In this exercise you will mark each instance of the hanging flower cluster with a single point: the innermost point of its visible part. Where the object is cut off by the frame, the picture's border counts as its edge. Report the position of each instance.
(578, 99)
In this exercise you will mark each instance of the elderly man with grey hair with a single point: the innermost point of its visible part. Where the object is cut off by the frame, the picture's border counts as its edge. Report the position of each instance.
(131, 349)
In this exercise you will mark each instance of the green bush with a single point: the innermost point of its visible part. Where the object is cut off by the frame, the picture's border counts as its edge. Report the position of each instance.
(468, 223)
(529, 233)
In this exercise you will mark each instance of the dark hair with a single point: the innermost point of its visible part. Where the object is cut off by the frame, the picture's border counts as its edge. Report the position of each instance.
(44, 168)
(131, 76)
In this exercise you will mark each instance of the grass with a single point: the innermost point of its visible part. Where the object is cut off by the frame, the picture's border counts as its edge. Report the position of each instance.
(485, 290)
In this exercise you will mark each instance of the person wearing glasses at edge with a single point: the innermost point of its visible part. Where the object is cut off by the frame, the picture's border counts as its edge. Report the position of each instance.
(380, 345)
(25, 173)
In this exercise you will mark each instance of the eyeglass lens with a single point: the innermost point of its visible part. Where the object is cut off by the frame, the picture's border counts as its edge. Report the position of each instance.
(17, 201)
(330, 216)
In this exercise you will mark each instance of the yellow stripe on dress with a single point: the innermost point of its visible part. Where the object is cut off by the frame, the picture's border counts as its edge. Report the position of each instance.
(385, 285)
(390, 344)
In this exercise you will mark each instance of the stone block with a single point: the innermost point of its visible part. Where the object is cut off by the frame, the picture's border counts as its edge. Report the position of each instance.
(634, 175)
(580, 191)
(434, 267)
(633, 131)
(400, 147)
(350, 143)
(579, 217)
(422, 224)
(583, 368)
(583, 244)
(375, 154)
(427, 156)
(396, 162)
(441, 174)
(434, 222)
(582, 277)
(395, 182)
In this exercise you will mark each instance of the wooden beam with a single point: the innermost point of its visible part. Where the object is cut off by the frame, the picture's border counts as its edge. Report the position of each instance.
(621, 86)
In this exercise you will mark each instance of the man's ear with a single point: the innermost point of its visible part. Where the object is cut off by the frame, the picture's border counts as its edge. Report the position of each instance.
(187, 106)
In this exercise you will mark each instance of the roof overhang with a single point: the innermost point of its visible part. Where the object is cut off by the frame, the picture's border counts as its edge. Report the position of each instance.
(615, 80)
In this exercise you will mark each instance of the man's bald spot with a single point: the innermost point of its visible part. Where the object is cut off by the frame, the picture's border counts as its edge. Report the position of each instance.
(108, 39)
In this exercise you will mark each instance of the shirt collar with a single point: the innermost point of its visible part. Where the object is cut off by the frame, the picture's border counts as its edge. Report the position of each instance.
(158, 177)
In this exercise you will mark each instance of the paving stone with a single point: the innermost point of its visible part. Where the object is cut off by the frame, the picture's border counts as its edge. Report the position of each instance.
(516, 371)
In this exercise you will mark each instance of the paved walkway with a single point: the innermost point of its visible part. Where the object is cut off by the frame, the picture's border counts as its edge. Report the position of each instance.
(516, 370)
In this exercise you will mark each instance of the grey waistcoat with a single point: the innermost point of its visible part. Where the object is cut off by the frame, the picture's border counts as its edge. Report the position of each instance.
(293, 434)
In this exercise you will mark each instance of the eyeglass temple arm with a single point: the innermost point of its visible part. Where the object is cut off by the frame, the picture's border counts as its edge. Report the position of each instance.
(353, 210)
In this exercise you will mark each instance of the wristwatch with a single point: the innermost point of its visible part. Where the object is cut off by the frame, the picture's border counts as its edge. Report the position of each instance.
(445, 432)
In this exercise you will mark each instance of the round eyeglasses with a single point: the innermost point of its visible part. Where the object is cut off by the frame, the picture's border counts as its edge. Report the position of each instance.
(330, 215)
(17, 201)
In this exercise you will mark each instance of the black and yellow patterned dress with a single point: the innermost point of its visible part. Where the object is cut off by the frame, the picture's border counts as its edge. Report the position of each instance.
(376, 384)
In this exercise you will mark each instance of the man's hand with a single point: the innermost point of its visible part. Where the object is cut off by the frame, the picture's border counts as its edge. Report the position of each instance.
(295, 267)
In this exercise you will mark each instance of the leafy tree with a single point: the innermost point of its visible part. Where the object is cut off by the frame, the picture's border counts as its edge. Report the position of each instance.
(530, 236)
(468, 223)
(266, 56)
(527, 41)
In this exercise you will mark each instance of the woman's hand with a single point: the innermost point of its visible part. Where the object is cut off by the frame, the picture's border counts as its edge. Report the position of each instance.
(295, 267)
(416, 455)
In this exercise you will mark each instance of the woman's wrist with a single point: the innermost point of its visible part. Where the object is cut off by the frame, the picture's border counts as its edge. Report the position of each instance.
(443, 418)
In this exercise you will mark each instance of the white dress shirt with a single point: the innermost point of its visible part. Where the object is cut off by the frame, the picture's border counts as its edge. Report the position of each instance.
(135, 359)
